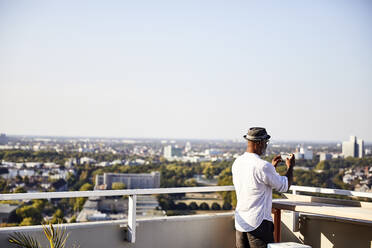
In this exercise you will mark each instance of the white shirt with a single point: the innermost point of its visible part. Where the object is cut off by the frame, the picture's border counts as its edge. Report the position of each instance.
(254, 179)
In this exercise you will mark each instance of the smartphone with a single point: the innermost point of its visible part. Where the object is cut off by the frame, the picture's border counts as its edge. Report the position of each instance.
(285, 156)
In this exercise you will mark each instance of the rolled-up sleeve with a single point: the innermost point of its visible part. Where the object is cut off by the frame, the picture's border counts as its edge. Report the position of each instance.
(272, 178)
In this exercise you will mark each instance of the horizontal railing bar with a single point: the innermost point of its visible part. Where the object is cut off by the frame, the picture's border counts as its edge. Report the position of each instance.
(96, 193)
(331, 191)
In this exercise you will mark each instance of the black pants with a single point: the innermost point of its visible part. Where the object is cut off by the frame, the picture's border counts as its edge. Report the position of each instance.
(258, 238)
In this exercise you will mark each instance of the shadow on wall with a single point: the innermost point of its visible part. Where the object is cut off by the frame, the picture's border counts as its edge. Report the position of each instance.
(287, 235)
(320, 232)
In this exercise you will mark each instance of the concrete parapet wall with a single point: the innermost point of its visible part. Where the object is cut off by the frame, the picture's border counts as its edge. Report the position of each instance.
(327, 232)
(214, 230)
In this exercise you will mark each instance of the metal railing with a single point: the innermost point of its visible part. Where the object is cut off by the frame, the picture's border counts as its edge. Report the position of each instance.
(295, 189)
(132, 193)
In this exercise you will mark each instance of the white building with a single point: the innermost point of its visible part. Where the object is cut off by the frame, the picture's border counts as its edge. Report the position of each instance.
(353, 148)
(188, 147)
(87, 160)
(325, 156)
(170, 152)
(303, 153)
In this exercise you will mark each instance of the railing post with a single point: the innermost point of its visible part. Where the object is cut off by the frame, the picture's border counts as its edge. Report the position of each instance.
(132, 218)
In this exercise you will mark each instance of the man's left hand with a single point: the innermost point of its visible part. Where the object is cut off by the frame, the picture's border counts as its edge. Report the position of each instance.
(276, 160)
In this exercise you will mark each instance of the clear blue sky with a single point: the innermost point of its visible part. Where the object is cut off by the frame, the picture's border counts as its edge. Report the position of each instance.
(186, 69)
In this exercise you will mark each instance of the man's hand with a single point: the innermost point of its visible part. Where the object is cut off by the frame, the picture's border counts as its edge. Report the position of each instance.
(276, 160)
(290, 162)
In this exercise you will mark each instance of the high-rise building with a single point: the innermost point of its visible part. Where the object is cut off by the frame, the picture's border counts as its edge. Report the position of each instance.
(188, 147)
(325, 156)
(353, 148)
(3, 139)
(303, 153)
(171, 152)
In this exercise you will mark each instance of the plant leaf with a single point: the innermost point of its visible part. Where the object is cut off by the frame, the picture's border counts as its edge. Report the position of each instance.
(23, 240)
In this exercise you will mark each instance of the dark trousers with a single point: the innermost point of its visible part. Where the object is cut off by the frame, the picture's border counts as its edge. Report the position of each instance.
(258, 238)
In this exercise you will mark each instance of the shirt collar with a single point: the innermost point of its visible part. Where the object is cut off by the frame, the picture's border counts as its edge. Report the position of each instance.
(252, 154)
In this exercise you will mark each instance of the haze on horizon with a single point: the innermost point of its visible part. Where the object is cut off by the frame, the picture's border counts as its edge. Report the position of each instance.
(192, 70)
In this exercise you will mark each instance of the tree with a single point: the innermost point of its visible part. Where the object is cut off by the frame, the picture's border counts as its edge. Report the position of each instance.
(29, 214)
(20, 190)
(193, 206)
(58, 217)
(86, 187)
(204, 206)
(216, 206)
(209, 171)
(322, 165)
(181, 206)
(226, 206)
(27, 222)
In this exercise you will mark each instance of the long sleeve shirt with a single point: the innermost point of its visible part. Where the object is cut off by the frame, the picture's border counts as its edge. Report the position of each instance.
(254, 179)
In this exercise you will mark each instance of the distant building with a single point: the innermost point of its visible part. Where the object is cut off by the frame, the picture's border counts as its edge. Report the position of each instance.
(170, 152)
(7, 212)
(303, 153)
(353, 148)
(131, 181)
(188, 147)
(3, 139)
(325, 156)
(87, 160)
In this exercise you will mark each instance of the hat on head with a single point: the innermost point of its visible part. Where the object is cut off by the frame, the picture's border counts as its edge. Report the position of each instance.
(257, 134)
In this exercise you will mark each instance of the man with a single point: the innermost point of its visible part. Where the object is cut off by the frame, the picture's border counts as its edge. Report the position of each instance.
(254, 179)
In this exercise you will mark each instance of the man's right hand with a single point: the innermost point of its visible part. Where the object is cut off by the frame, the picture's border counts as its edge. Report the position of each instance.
(290, 162)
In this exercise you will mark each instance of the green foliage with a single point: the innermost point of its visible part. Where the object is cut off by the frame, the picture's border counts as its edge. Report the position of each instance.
(204, 206)
(323, 165)
(23, 240)
(28, 222)
(20, 190)
(73, 219)
(56, 237)
(225, 178)
(118, 185)
(208, 171)
(215, 206)
(166, 202)
(30, 214)
(226, 206)
(193, 206)
(86, 187)
(58, 217)
(181, 206)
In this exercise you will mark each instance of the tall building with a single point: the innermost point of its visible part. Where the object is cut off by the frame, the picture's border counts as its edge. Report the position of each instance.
(303, 153)
(325, 156)
(3, 139)
(131, 181)
(353, 148)
(188, 147)
(171, 152)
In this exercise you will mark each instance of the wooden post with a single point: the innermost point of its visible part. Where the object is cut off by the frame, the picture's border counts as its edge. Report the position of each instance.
(277, 221)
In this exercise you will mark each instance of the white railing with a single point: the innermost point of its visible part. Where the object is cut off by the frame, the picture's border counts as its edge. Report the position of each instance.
(295, 189)
(132, 193)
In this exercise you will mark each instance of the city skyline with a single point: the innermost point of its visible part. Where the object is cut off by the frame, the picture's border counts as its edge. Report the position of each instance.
(186, 70)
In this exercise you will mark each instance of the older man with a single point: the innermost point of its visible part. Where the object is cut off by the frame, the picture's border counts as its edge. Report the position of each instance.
(254, 179)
